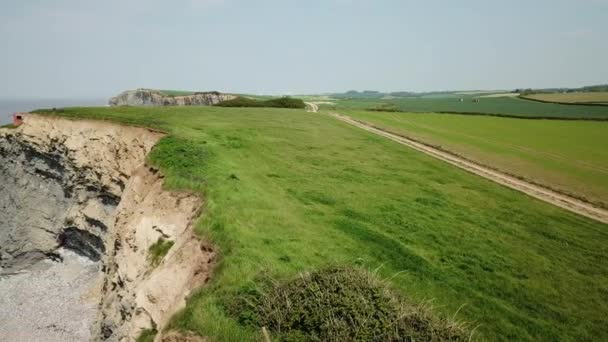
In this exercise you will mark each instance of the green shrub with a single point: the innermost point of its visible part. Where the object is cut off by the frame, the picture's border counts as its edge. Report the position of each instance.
(240, 102)
(283, 102)
(339, 304)
(158, 251)
(147, 335)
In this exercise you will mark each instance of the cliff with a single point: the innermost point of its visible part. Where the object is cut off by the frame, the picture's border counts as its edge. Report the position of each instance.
(150, 97)
(81, 212)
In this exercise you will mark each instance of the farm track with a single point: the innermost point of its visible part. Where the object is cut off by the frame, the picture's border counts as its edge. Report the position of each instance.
(561, 200)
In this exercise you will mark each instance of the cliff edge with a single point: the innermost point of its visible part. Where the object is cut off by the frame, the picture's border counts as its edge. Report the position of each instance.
(91, 245)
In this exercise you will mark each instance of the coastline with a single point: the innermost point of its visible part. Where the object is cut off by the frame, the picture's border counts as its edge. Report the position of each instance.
(8, 105)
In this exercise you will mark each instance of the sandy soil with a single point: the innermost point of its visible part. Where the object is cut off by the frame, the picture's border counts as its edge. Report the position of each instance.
(152, 294)
(547, 195)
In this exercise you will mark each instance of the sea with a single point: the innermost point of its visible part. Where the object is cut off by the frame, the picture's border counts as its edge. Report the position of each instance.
(9, 106)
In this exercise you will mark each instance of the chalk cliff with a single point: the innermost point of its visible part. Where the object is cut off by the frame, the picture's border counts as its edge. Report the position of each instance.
(150, 97)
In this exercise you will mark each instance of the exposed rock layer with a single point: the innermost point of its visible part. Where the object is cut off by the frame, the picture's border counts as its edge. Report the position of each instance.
(61, 181)
(150, 97)
(139, 295)
(84, 186)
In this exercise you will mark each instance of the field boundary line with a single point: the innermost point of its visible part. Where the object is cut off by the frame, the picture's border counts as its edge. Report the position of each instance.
(596, 104)
(550, 196)
(521, 148)
(508, 116)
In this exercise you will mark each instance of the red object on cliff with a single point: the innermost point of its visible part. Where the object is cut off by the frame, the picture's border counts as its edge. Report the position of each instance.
(18, 118)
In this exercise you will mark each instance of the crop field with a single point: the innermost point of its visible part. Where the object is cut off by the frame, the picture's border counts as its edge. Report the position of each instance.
(582, 97)
(506, 106)
(569, 156)
(288, 191)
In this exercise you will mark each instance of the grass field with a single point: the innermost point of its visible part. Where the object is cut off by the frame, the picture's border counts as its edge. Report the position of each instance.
(570, 156)
(289, 191)
(582, 97)
(508, 106)
(173, 93)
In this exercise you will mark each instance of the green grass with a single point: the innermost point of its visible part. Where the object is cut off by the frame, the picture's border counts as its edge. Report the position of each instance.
(147, 335)
(569, 156)
(507, 106)
(158, 250)
(309, 190)
(173, 93)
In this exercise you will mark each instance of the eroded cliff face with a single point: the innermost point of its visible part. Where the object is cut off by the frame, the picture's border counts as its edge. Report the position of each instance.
(149, 97)
(63, 180)
(138, 294)
(79, 213)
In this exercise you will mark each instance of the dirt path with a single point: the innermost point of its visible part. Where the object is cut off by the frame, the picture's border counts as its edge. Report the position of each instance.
(311, 107)
(547, 195)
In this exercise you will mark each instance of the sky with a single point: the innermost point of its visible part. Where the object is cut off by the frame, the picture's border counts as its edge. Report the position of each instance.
(97, 48)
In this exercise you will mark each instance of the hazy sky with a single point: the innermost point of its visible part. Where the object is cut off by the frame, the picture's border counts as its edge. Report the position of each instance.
(95, 48)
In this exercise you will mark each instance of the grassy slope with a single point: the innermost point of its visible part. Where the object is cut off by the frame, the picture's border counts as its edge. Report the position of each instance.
(582, 97)
(173, 93)
(309, 190)
(496, 105)
(567, 155)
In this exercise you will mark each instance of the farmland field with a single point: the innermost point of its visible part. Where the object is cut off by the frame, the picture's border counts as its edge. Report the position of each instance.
(289, 191)
(580, 97)
(569, 156)
(507, 106)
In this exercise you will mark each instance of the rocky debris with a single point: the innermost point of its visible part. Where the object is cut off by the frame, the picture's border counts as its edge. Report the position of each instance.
(151, 97)
(52, 301)
(82, 187)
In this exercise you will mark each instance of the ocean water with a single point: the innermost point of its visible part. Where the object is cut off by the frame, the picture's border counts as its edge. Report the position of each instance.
(8, 106)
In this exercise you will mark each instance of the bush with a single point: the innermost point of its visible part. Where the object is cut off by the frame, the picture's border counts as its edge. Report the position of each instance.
(158, 251)
(339, 304)
(147, 335)
(240, 102)
(283, 102)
